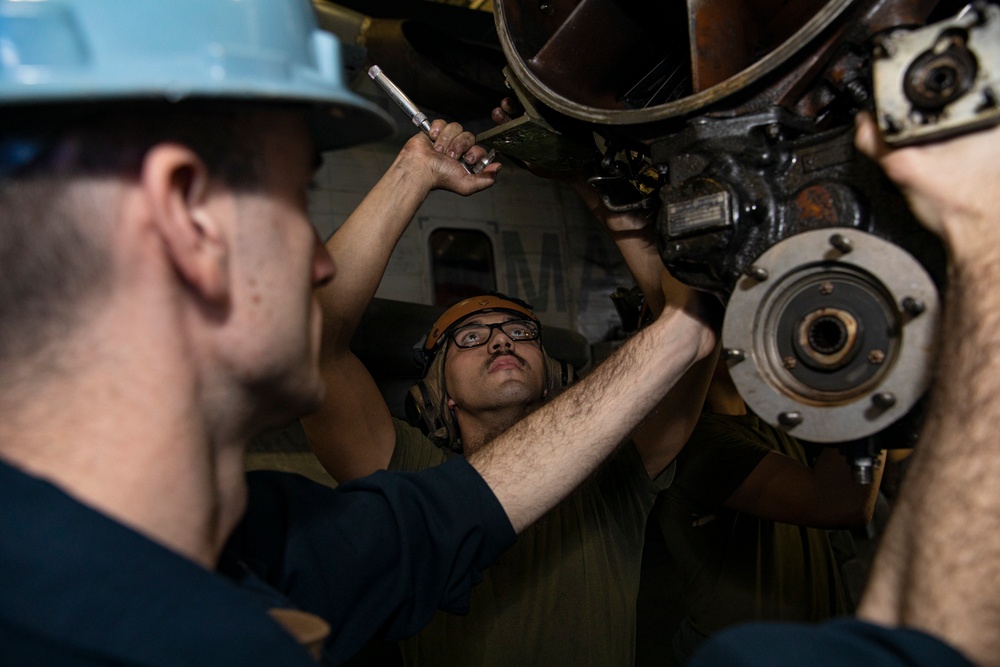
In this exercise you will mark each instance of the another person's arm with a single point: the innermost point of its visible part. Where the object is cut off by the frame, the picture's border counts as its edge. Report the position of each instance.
(352, 433)
(543, 457)
(938, 565)
(822, 496)
(663, 432)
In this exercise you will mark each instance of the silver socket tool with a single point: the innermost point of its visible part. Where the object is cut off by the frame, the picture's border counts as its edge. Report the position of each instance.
(417, 116)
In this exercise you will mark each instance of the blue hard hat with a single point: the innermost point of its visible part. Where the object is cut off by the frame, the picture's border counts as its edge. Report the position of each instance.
(78, 51)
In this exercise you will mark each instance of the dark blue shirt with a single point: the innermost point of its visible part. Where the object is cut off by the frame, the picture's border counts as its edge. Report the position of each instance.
(376, 557)
(846, 642)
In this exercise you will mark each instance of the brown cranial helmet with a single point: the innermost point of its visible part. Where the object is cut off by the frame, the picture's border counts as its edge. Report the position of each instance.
(428, 400)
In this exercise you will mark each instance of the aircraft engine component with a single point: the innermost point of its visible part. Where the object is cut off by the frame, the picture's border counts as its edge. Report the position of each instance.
(941, 79)
(769, 216)
(827, 334)
(734, 120)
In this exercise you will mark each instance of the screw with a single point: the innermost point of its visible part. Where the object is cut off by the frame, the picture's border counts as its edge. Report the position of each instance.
(734, 355)
(989, 100)
(544, 6)
(789, 362)
(863, 470)
(876, 357)
(841, 243)
(758, 273)
(913, 306)
(884, 400)
(858, 91)
(791, 418)
(826, 288)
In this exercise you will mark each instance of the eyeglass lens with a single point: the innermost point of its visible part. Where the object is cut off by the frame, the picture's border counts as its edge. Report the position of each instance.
(475, 335)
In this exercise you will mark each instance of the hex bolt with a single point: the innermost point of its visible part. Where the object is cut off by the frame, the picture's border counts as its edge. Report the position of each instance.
(876, 357)
(789, 362)
(913, 306)
(758, 273)
(734, 355)
(790, 418)
(826, 288)
(884, 400)
(863, 468)
(841, 243)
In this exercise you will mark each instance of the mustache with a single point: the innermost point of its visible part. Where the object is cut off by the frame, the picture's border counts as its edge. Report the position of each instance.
(504, 353)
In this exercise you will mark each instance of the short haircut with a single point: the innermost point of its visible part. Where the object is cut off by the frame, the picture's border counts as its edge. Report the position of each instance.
(54, 261)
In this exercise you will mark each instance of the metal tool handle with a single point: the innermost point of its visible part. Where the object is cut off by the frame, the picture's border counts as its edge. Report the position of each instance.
(417, 116)
(400, 98)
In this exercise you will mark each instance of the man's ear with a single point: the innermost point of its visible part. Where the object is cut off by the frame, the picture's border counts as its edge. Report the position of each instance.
(179, 192)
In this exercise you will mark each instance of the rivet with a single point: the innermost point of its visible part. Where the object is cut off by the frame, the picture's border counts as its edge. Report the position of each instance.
(913, 306)
(884, 400)
(733, 354)
(841, 243)
(791, 418)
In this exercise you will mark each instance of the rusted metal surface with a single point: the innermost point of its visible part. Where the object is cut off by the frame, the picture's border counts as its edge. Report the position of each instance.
(727, 36)
(582, 57)
(586, 26)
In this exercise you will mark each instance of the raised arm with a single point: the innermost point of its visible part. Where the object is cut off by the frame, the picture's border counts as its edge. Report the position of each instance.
(352, 433)
(938, 565)
(662, 434)
(584, 424)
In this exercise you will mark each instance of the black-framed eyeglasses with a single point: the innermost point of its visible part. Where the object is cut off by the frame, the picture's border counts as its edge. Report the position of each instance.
(474, 335)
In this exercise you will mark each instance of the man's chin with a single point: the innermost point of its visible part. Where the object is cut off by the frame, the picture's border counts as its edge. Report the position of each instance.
(514, 391)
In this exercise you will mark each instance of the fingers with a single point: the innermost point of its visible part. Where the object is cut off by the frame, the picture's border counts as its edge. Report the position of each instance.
(499, 116)
(509, 107)
(435, 154)
(455, 142)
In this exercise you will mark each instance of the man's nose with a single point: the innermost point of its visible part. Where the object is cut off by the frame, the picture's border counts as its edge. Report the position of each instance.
(500, 339)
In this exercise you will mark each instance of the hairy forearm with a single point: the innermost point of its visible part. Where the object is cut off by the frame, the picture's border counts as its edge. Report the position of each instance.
(938, 568)
(541, 459)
